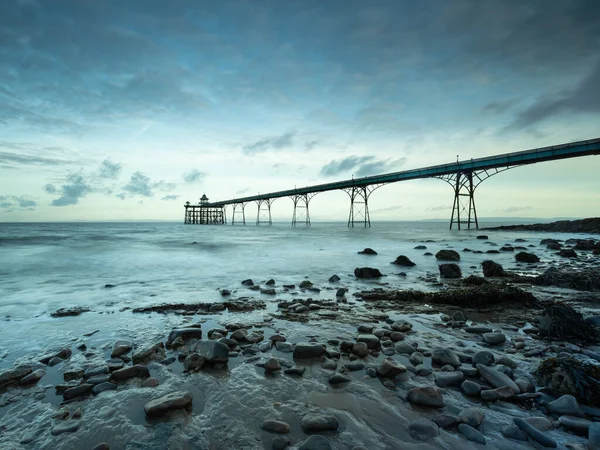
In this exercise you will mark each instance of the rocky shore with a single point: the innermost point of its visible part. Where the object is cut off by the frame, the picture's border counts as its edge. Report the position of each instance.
(506, 358)
(590, 225)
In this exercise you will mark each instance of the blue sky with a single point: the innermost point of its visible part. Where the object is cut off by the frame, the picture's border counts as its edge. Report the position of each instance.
(115, 110)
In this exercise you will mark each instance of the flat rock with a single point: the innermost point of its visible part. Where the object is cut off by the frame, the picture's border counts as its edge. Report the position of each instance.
(33, 377)
(275, 426)
(478, 330)
(497, 379)
(14, 375)
(154, 352)
(490, 395)
(338, 378)
(103, 387)
(70, 426)
(213, 352)
(121, 348)
(565, 405)
(307, 350)
(390, 368)
(472, 434)
(512, 431)
(297, 371)
(404, 348)
(443, 356)
(425, 396)
(174, 400)
(470, 388)
(314, 423)
(539, 436)
(472, 416)
(423, 429)
(78, 391)
(494, 338)
(137, 371)
(448, 379)
(316, 442)
(184, 334)
(576, 424)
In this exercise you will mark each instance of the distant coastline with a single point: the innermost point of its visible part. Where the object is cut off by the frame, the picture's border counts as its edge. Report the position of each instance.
(589, 225)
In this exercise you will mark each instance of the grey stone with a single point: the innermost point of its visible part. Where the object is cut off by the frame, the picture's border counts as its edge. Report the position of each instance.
(98, 379)
(594, 436)
(448, 379)
(316, 442)
(338, 378)
(70, 426)
(275, 426)
(512, 431)
(468, 371)
(472, 434)
(213, 352)
(155, 352)
(483, 357)
(490, 395)
(120, 348)
(478, 330)
(103, 387)
(307, 350)
(525, 385)
(284, 347)
(371, 340)
(565, 405)
(423, 429)
(447, 255)
(298, 371)
(416, 358)
(443, 356)
(150, 382)
(390, 368)
(404, 348)
(450, 270)
(494, 338)
(497, 379)
(272, 365)
(576, 424)
(360, 349)
(353, 366)
(470, 388)
(78, 391)
(193, 363)
(137, 371)
(314, 423)
(535, 434)
(280, 442)
(239, 335)
(33, 377)
(329, 364)
(446, 420)
(334, 279)
(172, 401)
(94, 371)
(506, 361)
(425, 396)
(472, 416)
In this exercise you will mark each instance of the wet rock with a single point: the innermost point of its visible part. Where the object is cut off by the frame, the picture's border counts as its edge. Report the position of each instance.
(73, 374)
(512, 431)
(450, 271)
(567, 253)
(340, 292)
(69, 426)
(155, 352)
(367, 251)
(494, 338)
(403, 261)
(423, 429)
(470, 388)
(425, 396)
(367, 273)
(33, 377)
(240, 334)
(526, 257)
(101, 446)
(535, 434)
(193, 362)
(490, 395)
(315, 423)
(446, 420)
(65, 353)
(585, 279)
(150, 382)
(172, 401)
(275, 426)
(371, 340)
(478, 330)
(594, 436)
(98, 379)
(121, 348)
(354, 366)
(213, 352)
(565, 405)
(338, 378)
(563, 322)
(284, 347)
(472, 416)
(571, 374)
(329, 364)
(404, 348)
(360, 349)
(272, 365)
(248, 282)
(297, 371)
(416, 358)
(78, 391)
(497, 379)
(525, 385)
(443, 356)
(103, 387)
(468, 371)
(225, 292)
(448, 379)
(137, 371)
(270, 282)
(95, 371)
(482, 237)
(307, 350)
(401, 326)
(447, 255)
(471, 433)
(389, 368)
(305, 284)
(269, 291)
(505, 360)
(575, 424)
(334, 279)
(64, 312)
(280, 442)
(483, 357)
(316, 442)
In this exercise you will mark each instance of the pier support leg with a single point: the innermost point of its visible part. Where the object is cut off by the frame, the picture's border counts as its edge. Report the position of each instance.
(359, 204)
(238, 213)
(263, 215)
(463, 208)
(301, 212)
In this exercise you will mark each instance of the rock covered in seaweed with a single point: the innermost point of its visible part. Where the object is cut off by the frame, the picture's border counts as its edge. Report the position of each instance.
(563, 322)
(367, 272)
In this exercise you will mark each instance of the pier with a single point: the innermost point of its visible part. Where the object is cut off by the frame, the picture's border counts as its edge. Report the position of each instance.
(463, 176)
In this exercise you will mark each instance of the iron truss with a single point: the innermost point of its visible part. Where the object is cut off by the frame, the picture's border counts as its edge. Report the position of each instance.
(359, 204)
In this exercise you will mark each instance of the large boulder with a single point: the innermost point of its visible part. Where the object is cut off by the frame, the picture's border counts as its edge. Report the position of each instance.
(492, 269)
(563, 322)
(367, 272)
(447, 255)
(571, 374)
(526, 257)
(403, 261)
(450, 271)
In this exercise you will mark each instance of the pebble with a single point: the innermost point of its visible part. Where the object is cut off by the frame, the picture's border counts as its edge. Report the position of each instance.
(169, 402)
(472, 434)
(275, 426)
(272, 365)
(69, 426)
(404, 348)
(423, 429)
(425, 396)
(354, 366)
(280, 442)
(121, 348)
(298, 371)
(483, 357)
(535, 434)
(565, 405)
(329, 364)
(494, 338)
(360, 349)
(313, 423)
(390, 368)
(306, 350)
(416, 358)
(491, 395)
(316, 442)
(443, 356)
(446, 420)
(470, 388)
(472, 416)
(514, 432)
(82, 389)
(284, 347)
(576, 424)
(338, 378)
(497, 379)
(468, 371)
(448, 379)
(371, 340)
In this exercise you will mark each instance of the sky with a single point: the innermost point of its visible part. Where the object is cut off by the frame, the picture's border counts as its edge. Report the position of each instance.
(124, 110)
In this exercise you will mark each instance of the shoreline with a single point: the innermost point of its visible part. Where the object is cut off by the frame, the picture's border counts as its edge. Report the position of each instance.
(306, 362)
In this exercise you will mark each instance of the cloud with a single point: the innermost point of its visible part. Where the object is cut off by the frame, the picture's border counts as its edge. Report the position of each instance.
(498, 107)
(193, 176)
(9, 160)
(139, 184)
(170, 197)
(439, 208)
(361, 166)
(121, 196)
(284, 141)
(582, 98)
(74, 189)
(50, 188)
(518, 209)
(109, 169)
(11, 203)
